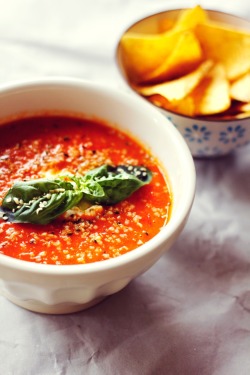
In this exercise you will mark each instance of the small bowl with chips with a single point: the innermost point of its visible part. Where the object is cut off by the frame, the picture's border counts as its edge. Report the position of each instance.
(194, 65)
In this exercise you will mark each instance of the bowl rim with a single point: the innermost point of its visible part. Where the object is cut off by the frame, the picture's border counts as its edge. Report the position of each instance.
(167, 111)
(159, 239)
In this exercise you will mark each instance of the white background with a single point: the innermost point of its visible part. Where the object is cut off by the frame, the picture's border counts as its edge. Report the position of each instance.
(190, 313)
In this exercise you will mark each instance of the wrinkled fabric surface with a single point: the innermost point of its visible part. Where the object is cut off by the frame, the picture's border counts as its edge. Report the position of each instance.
(190, 313)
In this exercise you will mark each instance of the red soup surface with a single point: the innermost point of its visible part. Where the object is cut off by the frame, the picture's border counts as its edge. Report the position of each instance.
(44, 146)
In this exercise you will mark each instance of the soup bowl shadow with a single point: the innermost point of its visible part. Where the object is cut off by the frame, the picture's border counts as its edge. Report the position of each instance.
(60, 289)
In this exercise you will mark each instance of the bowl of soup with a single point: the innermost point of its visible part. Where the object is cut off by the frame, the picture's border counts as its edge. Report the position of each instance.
(193, 65)
(95, 186)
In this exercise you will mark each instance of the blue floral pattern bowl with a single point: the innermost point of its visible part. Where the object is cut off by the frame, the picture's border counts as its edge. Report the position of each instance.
(205, 138)
(211, 138)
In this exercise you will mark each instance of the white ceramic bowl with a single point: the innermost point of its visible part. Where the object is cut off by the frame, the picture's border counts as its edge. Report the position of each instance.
(205, 138)
(64, 289)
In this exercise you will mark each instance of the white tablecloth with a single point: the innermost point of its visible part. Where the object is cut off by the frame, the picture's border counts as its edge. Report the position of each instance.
(190, 313)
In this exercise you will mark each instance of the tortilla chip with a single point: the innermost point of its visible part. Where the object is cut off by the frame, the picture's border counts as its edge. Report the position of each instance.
(243, 110)
(142, 54)
(240, 89)
(245, 107)
(184, 107)
(227, 45)
(236, 110)
(196, 66)
(212, 95)
(186, 56)
(209, 97)
(177, 89)
(159, 100)
(242, 115)
(189, 18)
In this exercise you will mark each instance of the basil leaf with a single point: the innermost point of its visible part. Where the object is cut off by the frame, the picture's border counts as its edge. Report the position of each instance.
(109, 185)
(39, 201)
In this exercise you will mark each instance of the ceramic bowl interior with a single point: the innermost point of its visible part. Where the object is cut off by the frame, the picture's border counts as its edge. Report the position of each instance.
(64, 289)
(205, 138)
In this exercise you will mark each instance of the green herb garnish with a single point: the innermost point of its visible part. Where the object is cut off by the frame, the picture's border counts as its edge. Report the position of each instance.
(41, 201)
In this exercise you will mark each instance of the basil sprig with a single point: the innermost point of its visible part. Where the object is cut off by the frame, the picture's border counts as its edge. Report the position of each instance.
(41, 201)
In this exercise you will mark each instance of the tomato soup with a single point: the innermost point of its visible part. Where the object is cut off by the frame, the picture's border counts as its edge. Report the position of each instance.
(44, 146)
